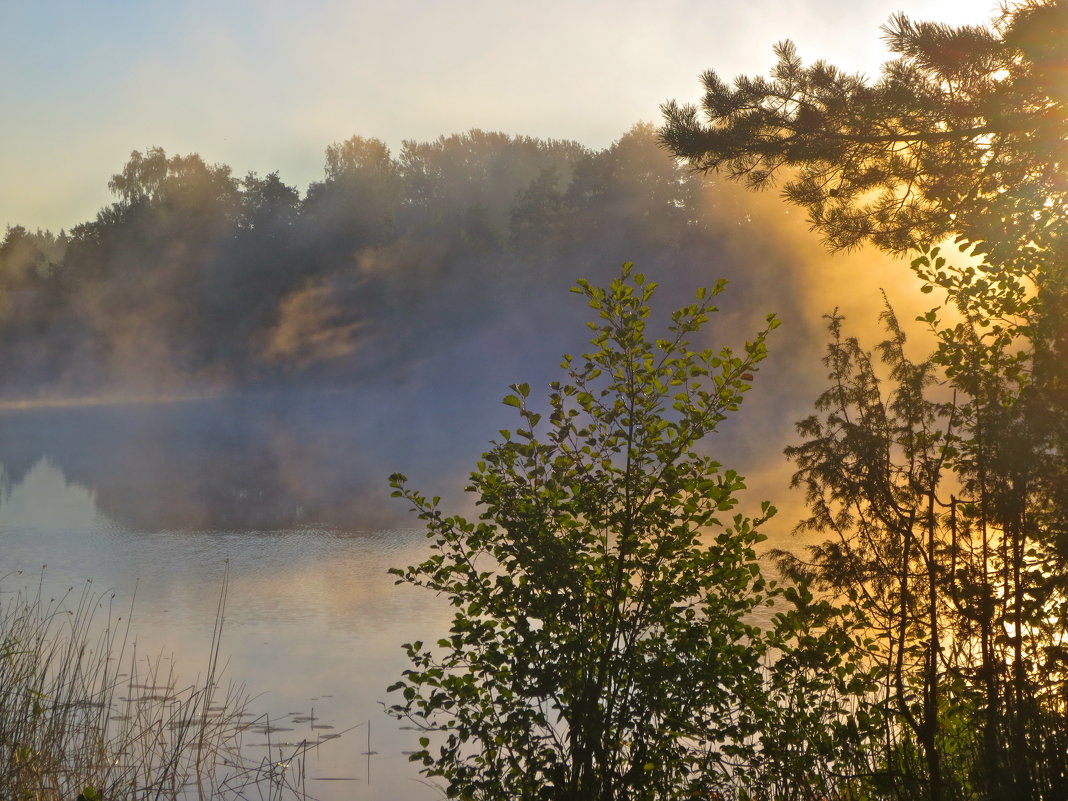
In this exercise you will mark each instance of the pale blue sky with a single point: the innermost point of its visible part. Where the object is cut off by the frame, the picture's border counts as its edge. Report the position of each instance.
(266, 85)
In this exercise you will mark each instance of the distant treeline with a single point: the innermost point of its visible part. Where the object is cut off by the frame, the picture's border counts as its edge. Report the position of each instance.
(194, 279)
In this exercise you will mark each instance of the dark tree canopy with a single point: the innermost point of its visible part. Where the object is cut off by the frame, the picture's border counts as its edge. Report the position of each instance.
(963, 133)
(941, 483)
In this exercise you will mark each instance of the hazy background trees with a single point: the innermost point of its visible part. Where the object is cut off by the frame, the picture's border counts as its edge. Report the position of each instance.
(195, 280)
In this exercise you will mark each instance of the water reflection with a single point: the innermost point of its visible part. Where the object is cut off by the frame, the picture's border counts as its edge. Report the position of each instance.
(288, 494)
(157, 503)
(266, 462)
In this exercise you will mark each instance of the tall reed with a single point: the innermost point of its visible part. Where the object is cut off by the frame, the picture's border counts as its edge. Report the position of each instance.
(82, 715)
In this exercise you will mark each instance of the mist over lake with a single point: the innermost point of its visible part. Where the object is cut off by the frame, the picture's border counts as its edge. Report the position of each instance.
(158, 502)
(217, 376)
(534, 401)
(286, 492)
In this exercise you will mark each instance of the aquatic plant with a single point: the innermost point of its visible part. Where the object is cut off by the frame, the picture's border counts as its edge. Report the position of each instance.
(84, 716)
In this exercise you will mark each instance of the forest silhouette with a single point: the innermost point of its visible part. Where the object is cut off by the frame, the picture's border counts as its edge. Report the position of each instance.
(196, 281)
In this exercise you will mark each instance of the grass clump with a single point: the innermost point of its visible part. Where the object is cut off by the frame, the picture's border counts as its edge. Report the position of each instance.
(83, 717)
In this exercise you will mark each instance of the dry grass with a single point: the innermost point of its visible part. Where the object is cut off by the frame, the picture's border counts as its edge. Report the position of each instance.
(82, 716)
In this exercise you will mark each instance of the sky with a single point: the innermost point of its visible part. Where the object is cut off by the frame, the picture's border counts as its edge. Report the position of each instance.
(267, 85)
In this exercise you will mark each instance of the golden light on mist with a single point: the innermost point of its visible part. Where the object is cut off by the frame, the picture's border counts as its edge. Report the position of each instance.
(778, 236)
(33, 404)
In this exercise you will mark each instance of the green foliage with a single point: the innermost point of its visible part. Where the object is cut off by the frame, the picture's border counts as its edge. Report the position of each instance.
(942, 485)
(942, 482)
(603, 643)
(875, 464)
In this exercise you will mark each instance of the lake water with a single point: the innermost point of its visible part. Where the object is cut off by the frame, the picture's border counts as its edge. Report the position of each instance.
(289, 494)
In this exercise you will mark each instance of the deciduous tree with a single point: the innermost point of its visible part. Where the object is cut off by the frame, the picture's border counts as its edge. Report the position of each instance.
(604, 643)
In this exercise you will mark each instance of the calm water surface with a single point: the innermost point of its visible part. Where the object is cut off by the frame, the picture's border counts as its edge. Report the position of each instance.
(158, 502)
(289, 495)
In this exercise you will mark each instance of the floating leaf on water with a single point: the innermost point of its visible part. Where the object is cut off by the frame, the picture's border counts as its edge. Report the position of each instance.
(275, 745)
